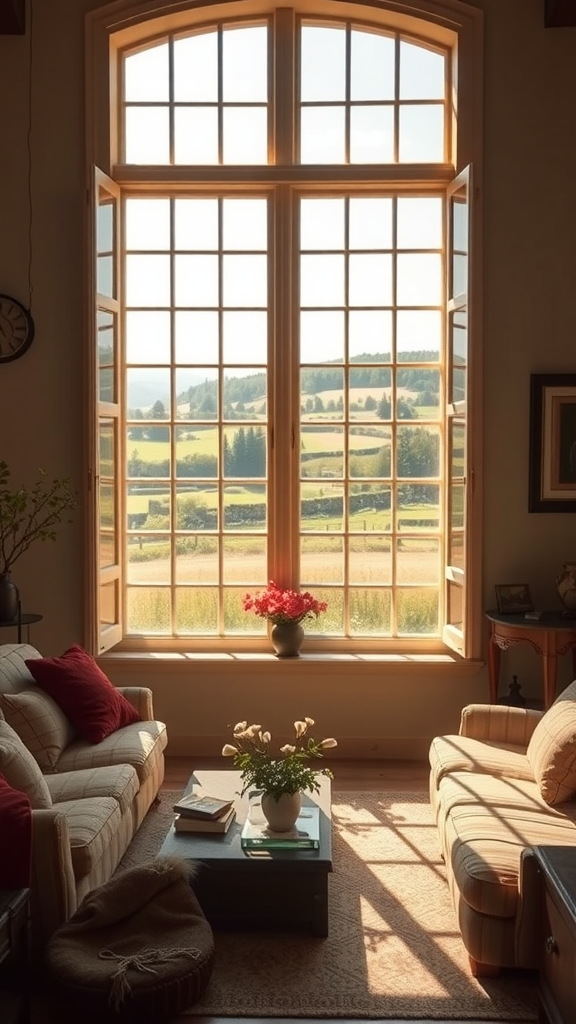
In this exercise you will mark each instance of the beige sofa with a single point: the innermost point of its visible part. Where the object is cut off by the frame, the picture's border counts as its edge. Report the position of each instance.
(87, 799)
(505, 783)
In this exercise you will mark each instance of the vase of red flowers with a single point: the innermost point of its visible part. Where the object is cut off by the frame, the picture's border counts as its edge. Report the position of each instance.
(286, 609)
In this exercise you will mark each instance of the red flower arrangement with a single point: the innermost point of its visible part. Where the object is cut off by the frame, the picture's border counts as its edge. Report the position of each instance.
(281, 606)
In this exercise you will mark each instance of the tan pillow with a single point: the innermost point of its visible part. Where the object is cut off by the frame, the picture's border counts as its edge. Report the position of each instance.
(552, 749)
(40, 723)
(20, 769)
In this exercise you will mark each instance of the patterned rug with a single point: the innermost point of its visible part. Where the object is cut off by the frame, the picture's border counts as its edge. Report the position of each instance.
(394, 949)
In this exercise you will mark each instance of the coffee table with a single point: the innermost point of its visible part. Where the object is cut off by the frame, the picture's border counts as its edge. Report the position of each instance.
(249, 889)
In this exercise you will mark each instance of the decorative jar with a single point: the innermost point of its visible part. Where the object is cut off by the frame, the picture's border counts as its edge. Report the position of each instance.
(566, 586)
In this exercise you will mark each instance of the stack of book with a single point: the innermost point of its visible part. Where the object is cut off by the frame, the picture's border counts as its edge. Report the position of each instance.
(197, 812)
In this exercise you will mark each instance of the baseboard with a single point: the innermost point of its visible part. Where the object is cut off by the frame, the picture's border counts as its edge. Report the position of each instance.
(360, 749)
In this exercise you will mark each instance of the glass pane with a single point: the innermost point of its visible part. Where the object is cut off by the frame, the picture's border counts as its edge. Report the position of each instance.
(107, 510)
(322, 280)
(370, 456)
(105, 227)
(107, 549)
(370, 279)
(322, 135)
(196, 224)
(196, 336)
(196, 508)
(245, 135)
(106, 448)
(460, 245)
(322, 224)
(196, 280)
(372, 66)
(370, 612)
(245, 337)
(196, 68)
(196, 454)
(195, 399)
(149, 391)
(197, 610)
(421, 134)
(420, 398)
(372, 135)
(421, 73)
(245, 508)
(150, 458)
(148, 507)
(418, 452)
(146, 75)
(419, 334)
(323, 63)
(419, 279)
(106, 356)
(370, 223)
(245, 560)
(244, 396)
(369, 508)
(148, 610)
(147, 280)
(370, 557)
(418, 508)
(457, 450)
(147, 223)
(245, 281)
(321, 336)
(245, 224)
(370, 396)
(455, 616)
(197, 559)
(322, 559)
(370, 334)
(244, 454)
(196, 135)
(147, 138)
(418, 560)
(109, 604)
(417, 612)
(420, 223)
(325, 404)
(147, 336)
(321, 507)
(148, 560)
(245, 64)
(321, 452)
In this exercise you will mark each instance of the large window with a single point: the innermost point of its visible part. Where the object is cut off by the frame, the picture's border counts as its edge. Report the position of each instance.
(283, 379)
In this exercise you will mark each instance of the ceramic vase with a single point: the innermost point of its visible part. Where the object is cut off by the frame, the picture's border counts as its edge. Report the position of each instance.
(8, 598)
(287, 639)
(566, 586)
(281, 813)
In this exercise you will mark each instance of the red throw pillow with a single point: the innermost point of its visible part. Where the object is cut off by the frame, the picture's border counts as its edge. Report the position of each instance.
(84, 693)
(16, 842)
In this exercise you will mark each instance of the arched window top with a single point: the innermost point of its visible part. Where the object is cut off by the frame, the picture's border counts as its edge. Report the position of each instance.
(353, 93)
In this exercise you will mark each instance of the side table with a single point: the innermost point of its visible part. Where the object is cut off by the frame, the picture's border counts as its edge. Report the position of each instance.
(551, 635)
(14, 956)
(25, 619)
(557, 941)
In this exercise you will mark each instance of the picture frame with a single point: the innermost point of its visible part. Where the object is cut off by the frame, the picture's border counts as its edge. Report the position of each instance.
(513, 598)
(552, 453)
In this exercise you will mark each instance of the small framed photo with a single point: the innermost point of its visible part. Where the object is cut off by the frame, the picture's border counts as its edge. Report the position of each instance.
(513, 598)
(552, 459)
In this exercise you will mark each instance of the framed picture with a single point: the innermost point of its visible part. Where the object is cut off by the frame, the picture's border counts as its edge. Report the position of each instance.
(552, 469)
(513, 598)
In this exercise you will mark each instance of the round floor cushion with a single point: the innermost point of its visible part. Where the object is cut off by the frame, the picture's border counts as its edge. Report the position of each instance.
(137, 951)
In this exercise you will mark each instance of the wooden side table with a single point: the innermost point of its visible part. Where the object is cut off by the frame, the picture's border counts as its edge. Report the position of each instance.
(552, 635)
(14, 956)
(557, 941)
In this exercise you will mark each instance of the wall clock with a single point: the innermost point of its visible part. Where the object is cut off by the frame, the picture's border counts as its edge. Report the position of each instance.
(16, 329)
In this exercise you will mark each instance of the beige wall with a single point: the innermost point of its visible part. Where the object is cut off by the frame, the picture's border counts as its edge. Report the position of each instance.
(530, 327)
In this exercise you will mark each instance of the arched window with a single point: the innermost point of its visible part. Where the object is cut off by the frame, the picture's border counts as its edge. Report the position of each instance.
(283, 370)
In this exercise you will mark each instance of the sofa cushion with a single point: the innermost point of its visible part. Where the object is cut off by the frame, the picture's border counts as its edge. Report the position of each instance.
(552, 749)
(119, 781)
(40, 723)
(140, 745)
(16, 822)
(20, 769)
(94, 824)
(84, 693)
(465, 754)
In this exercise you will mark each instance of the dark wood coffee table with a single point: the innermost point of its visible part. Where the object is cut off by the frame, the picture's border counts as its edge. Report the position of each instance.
(256, 888)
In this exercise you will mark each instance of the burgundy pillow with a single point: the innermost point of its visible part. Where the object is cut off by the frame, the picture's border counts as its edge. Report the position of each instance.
(16, 832)
(84, 693)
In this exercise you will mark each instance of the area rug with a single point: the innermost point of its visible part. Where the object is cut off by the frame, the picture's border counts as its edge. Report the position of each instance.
(394, 950)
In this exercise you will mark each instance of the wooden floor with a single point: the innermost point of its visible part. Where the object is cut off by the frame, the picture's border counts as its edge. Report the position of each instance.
(349, 775)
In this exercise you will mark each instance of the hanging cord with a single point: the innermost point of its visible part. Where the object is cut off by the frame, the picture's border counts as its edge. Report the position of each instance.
(139, 962)
(29, 151)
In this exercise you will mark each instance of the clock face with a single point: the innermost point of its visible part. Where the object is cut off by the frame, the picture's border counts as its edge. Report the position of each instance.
(16, 329)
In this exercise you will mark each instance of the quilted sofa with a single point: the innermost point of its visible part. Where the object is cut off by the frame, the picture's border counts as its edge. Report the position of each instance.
(88, 799)
(504, 784)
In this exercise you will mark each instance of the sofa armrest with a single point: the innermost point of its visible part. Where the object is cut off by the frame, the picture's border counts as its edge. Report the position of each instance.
(499, 723)
(53, 886)
(140, 697)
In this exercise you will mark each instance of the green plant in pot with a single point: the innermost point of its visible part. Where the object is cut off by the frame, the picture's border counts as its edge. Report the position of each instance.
(27, 515)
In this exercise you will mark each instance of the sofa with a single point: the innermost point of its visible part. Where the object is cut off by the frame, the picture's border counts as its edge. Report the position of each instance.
(88, 796)
(504, 784)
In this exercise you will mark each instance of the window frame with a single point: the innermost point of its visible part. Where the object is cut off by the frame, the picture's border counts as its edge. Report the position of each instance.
(110, 30)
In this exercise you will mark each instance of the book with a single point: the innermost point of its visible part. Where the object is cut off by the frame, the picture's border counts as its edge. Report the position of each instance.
(186, 825)
(199, 805)
(304, 836)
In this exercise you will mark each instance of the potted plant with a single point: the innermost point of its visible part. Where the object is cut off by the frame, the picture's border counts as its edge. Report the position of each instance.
(282, 777)
(286, 609)
(28, 514)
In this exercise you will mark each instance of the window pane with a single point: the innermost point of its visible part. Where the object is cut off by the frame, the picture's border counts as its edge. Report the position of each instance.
(421, 73)
(322, 139)
(372, 66)
(370, 223)
(245, 64)
(106, 356)
(370, 280)
(419, 279)
(146, 75)
(370, 333)
(322, 224)
(147, 336)
(420, 223)
(323, 67)
(147, 223)
(147, 280)
(244, 223)
(196, 135)
(322, 280)
(322, 336)
(196, 224)
(196, 280)
(371, 135)
(245, 135)
(147, 135)
(245, 337)
(196, 68)
(419, 330)
(196, 335)
(421, 138)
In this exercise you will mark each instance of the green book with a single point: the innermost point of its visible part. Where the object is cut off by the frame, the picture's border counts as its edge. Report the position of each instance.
(304, 836)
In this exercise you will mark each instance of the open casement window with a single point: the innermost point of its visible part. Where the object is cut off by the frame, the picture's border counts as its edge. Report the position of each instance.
(105, 624)
(459, 468)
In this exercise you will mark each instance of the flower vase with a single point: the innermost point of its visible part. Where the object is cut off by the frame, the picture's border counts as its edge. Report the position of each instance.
(282, 813)
(287, 639)
(8, 598)
(566, 587)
